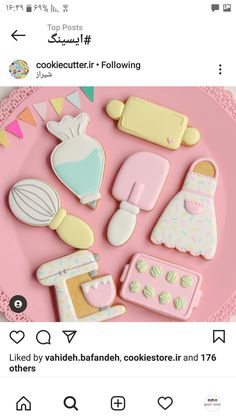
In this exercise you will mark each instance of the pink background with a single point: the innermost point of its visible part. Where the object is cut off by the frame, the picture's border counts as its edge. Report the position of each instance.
(25, 248)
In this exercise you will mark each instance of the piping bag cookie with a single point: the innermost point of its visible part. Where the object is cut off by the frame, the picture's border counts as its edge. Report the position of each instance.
(79, 160)
(36, 203)
(153, 123)
(189, 222)
(138, 186)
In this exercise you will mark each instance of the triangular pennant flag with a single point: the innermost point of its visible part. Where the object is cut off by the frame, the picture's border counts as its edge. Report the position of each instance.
(14, 128)
(57, 103)
(41, 108)
(27, 116)
(89, 92)
(3, 138)
(74, 99)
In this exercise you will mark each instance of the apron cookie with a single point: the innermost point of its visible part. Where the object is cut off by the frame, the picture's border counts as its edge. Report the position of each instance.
(79, 160)
(36, 203)
(137, 185)
(81, 295)
(153, 123)
(189, 222)
(175, 293)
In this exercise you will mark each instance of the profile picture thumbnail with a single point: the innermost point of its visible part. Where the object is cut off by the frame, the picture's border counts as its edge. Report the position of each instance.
(19, 69)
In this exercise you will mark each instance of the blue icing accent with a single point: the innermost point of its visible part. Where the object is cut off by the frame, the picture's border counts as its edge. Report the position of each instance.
(82, 176)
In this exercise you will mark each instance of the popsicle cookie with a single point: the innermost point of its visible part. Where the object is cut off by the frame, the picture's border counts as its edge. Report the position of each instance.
(153, 123)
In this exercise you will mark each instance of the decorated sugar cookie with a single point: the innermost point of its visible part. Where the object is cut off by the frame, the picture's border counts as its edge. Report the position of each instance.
(189, 222)
(36, 202)
(153, 123)
(80, 295)
(173, 291)
(79, 160)
(137, 185)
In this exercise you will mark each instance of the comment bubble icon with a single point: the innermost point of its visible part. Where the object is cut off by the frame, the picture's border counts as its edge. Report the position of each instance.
(43, 337)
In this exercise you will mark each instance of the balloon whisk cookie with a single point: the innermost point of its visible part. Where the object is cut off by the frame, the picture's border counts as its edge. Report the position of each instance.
(79, 160)
(36, 203)
(189, 222)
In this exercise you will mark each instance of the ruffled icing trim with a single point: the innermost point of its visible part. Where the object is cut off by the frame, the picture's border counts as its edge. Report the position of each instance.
(180, 249)
(226, 311)
(14, 100)
(9, 314)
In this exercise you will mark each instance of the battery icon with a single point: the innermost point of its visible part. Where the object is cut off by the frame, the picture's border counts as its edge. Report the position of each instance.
(28, 8)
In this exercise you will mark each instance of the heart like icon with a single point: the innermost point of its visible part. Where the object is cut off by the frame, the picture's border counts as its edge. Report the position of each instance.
(17, 337)
(165, 402)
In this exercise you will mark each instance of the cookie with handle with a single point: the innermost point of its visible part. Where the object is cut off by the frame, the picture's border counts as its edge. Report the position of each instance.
(81, 295)
(153, 123)
(137, 185)
(189, 221)
(35, 202)
(79, 160)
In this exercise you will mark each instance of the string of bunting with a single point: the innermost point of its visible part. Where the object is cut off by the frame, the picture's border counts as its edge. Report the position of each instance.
(41, 108)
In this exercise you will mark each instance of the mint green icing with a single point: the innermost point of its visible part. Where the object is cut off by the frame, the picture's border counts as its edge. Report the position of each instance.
(172, 277)
(179, 303)
(156, 271)
(186, 281)
(149, 292)
(164, 297)
(83, 176)
(141, 266)
(135, 286)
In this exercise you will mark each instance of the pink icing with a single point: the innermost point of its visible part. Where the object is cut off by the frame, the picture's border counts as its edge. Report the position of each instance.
(101, 296)
(192, 207)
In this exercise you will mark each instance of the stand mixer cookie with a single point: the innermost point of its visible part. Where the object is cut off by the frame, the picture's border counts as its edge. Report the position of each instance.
(81, 296)
(153, 123)
(79, 160)
(36, 203)
(138, 185)
(189, 222)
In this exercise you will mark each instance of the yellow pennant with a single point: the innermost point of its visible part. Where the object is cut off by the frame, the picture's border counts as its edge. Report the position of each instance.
(57, 103)
(3, 138)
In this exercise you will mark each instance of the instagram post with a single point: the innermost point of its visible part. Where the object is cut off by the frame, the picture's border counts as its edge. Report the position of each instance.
(117, 160)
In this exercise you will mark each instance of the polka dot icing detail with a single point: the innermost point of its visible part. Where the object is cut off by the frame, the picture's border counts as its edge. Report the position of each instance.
(148, 292)
(179, 303)
(172, 277)
(156, 271)
(186, 281)
(164, 297)
(135, 286)
(141, 266)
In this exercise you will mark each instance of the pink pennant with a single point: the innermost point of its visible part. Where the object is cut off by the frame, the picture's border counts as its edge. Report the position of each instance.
(14, 128)
(41, 108)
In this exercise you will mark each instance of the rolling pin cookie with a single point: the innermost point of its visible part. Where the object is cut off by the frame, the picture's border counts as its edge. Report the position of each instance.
(138, 185)
(79, 160)
(81, 296)
(153, 123)
(36, 203)
(189, 223)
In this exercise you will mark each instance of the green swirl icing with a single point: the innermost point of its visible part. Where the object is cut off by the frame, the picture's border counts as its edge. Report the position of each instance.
(156, 271)
(172, 277)
(141, 266)
(186, 281)
(135, 286)
(148, 292)
(164, 297)
(179, 303)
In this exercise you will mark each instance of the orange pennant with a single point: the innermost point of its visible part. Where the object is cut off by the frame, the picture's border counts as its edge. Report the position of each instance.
(27, 116)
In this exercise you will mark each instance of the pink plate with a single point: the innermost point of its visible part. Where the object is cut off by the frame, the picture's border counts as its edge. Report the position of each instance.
(25, 248)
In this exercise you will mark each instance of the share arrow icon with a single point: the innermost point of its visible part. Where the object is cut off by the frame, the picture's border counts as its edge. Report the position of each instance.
(70, 334)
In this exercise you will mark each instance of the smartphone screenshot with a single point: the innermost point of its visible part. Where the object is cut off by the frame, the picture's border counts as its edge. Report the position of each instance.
(117, 204)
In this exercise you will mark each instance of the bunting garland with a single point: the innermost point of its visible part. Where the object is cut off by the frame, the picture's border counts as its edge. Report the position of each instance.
(41, 108)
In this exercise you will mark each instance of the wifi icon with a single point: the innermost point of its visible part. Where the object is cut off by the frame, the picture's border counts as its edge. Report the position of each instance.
(54, 9)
